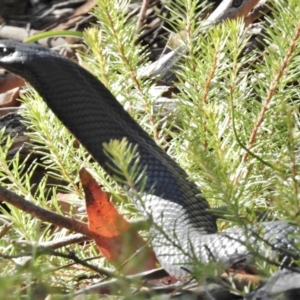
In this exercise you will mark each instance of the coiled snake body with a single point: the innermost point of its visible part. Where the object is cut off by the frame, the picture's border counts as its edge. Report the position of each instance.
(184, 231)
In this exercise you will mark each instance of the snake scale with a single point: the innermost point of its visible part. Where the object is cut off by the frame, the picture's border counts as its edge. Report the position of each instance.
(184, 232)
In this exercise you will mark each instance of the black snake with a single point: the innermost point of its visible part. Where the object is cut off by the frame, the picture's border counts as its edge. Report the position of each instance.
(184, 232)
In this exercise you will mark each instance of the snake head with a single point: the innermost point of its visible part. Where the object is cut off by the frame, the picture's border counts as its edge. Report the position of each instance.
(15, 54)
(24, 59)
(8, 55)
(10, 52)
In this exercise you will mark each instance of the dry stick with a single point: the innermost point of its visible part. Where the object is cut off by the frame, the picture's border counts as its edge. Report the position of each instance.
(42, 213)
(55, 244)
(40, 250)
(115, 284)
(142, 14)
(65, 241)
(71, 255)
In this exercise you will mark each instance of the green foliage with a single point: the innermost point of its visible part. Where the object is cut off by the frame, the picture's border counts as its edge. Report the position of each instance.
(224, 97)
(237, 128)
(125, 160)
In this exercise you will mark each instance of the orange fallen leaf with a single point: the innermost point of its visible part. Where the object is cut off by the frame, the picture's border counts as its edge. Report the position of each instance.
(114, 236)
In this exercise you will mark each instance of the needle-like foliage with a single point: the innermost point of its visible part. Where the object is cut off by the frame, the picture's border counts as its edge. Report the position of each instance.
(235, 128)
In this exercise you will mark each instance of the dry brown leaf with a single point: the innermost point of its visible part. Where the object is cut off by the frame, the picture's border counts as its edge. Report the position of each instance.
(114, 236)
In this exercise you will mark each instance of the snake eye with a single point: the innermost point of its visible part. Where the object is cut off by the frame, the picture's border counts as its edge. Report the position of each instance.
(237, 3)
(4, 50)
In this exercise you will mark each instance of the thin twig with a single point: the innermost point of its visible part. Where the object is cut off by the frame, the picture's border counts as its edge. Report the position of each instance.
(65, 241)
(142, 14)
(42, 213)
(39, 250)
(113, 285)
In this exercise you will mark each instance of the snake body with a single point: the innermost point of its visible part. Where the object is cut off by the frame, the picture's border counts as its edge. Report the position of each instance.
(184, 232)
